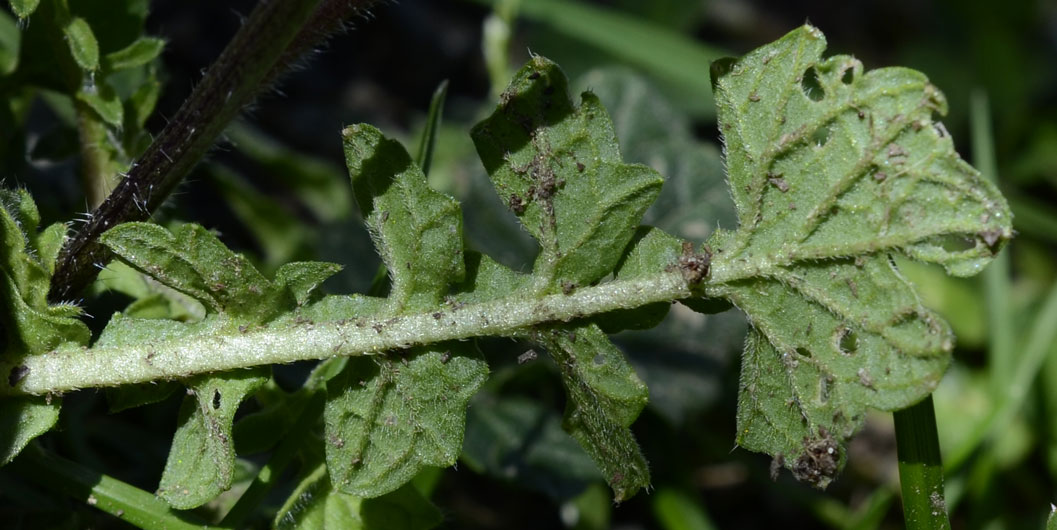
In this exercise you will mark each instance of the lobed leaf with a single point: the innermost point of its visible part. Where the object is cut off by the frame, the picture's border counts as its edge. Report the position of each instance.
(832, 169)
(201, 462)
(559, 170)
(604, 398)
(417, 230)
(387, 418)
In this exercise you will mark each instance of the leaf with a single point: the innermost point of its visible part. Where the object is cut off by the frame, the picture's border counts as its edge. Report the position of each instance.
(315, 505)
(195, 262)
(22, 419)
(82, 43)
(201, 462)
(831, 170)
(302, 277)
(142, 51)
(28, 325)
(24, 8)
(10, 44)
(605, 397)
(388, 417)
(418, 231)
(559, 170)
(105, 102)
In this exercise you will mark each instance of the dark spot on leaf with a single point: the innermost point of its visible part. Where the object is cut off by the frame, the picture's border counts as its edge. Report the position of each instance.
(810, 85)
(216, 399)
(517, 205)
(548, 90)
(17, 374)
(444, 357)
(880, 176)
(803, 352)
(534, 76)
(580, 167)
(818, 463)
(754, 97)
(437, 315)
(694, 266)
(778, 182)
(568, 287)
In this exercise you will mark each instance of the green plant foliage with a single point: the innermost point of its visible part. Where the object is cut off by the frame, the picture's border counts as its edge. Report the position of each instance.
(141, 52)
(605, 397)
(831, 169)
(28, 324)
(387, 418)
(317, 505)
(83, 46)
(24, 8)
(559, 170)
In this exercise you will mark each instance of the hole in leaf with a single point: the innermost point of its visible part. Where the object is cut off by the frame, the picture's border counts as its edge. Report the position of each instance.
(803, 352)
(811, 86)
(822, 134)
(848, 76)
(216, 399)
(847, 341)
(954, 242)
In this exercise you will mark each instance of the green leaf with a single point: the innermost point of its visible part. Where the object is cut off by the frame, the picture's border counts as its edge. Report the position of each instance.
(24, 8)
(605, 397)
(388, 417)
(82, 43)
(302, 277)
(105, 102)
(142, 51)
(201, 462)
(559, 170)
(28, 325)
(316, 505)
(22, 419)
(417, 230)
(832, 169)
(193, 261)
(10, 44)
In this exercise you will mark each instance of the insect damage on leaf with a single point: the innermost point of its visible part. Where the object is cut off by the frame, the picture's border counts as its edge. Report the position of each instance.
(832, 170)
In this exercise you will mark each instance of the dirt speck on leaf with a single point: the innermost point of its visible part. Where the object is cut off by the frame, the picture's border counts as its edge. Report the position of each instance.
(819, 462)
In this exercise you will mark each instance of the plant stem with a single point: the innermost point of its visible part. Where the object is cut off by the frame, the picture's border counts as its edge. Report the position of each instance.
(294, 338)
(268, 43)
(113, 496)
(95, 162)
(920, 467)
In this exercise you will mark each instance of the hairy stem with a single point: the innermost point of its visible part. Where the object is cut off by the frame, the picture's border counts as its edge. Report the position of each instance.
(294, 339)
(920, 467)
(274, 35)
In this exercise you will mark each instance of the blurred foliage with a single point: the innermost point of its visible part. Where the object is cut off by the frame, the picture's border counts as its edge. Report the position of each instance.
(276, 190)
